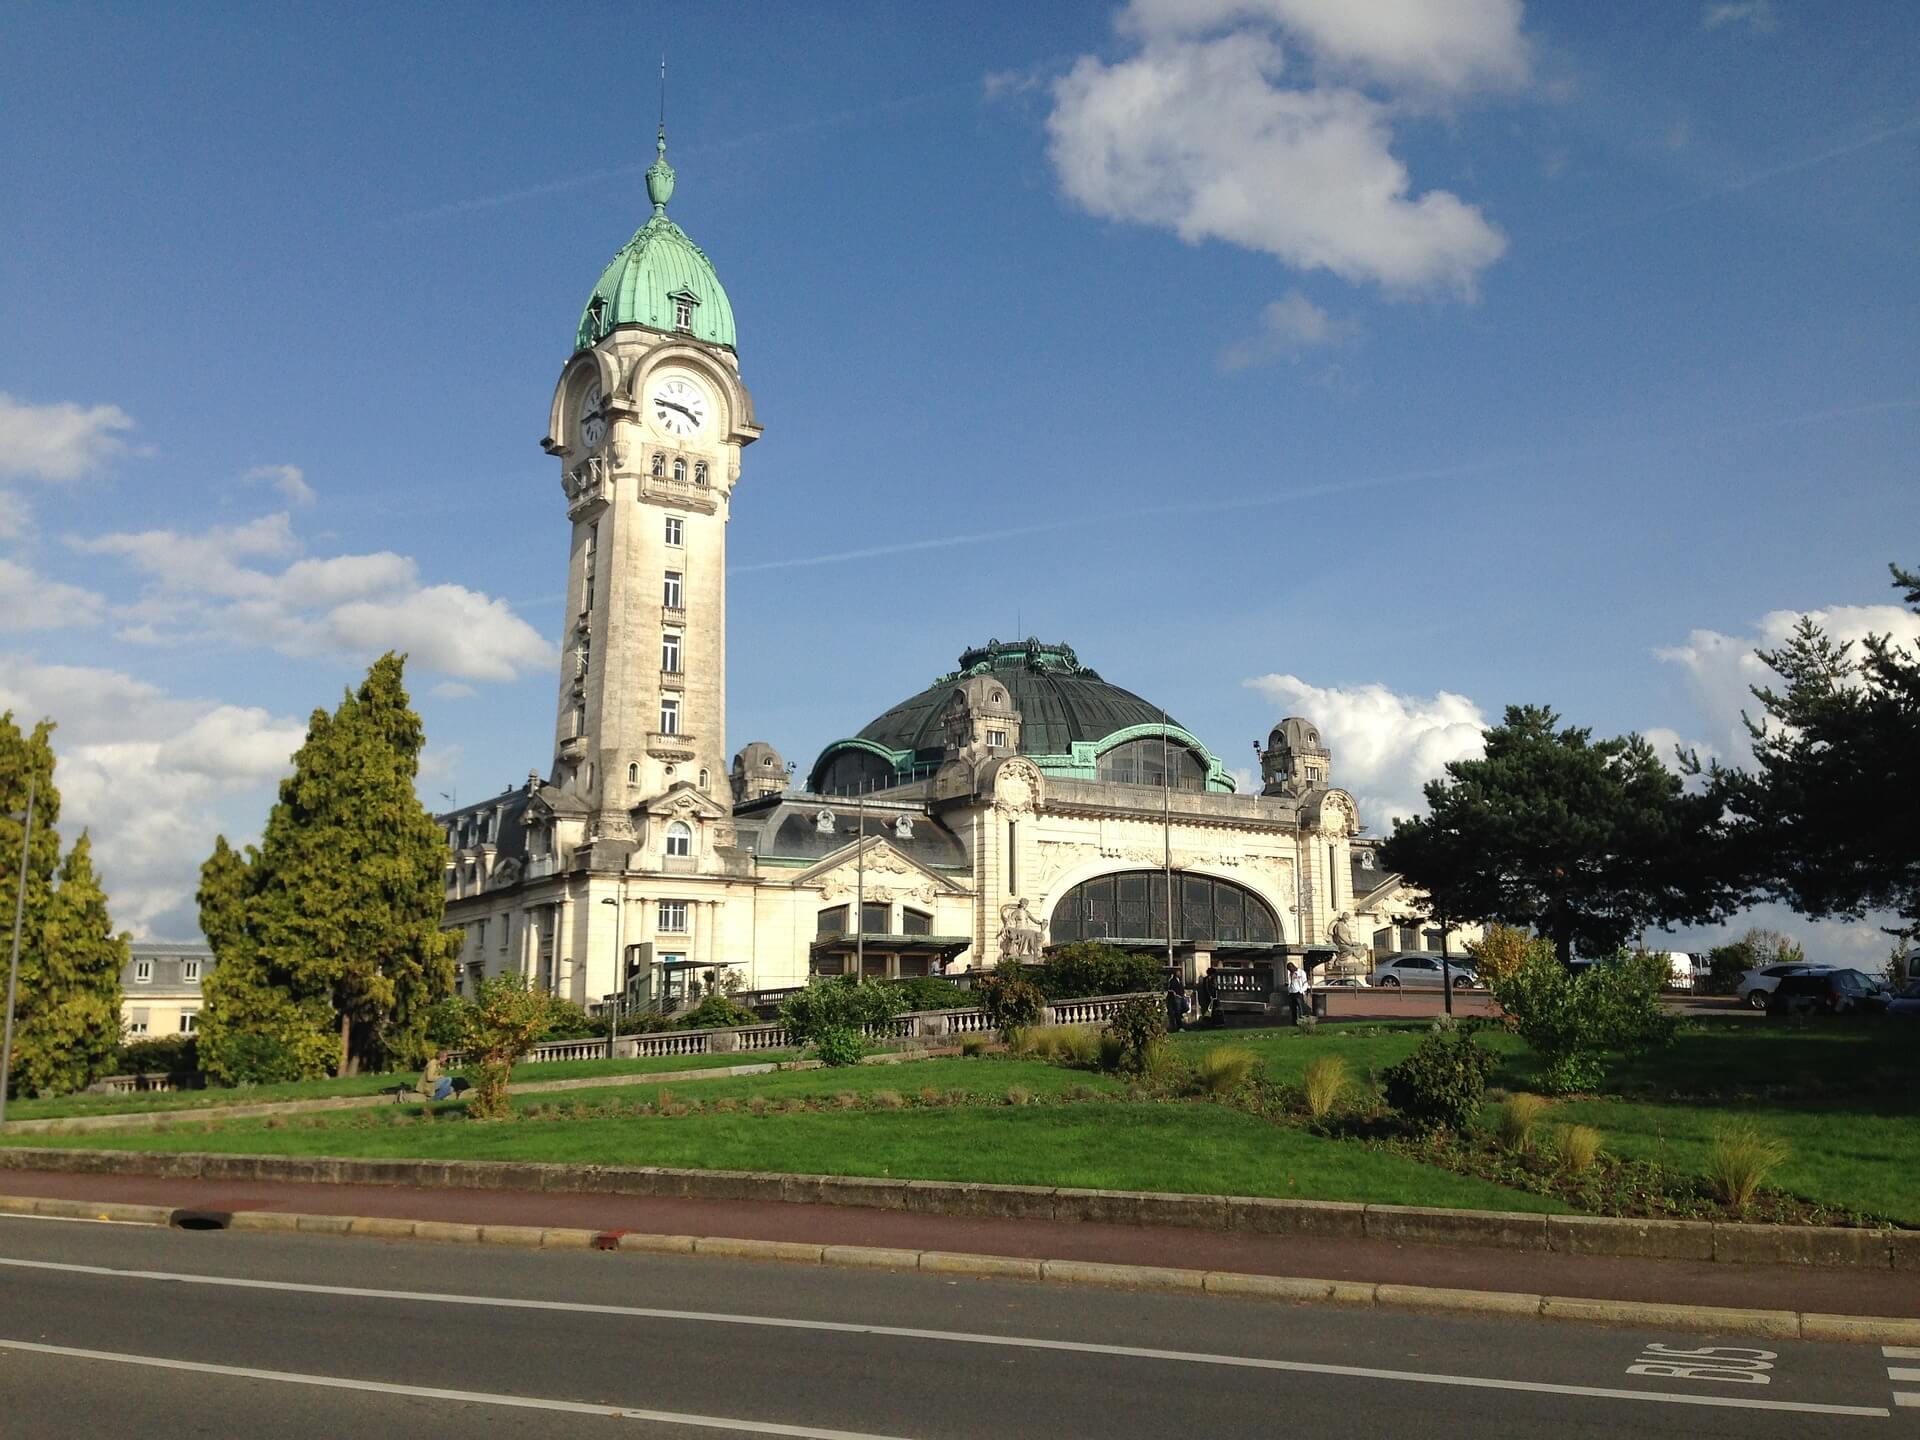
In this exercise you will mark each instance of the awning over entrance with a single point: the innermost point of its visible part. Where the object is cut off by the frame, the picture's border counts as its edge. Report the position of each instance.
(886, 957)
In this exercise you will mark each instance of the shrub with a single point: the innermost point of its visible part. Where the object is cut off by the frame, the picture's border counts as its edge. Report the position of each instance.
(1499, 952)
(1518, 1116)
(1322, 1084)
(1012, 1004)
(715, 1012)
(1089, 967)
(929, 993)
(1741, 1161)
(1019, 1095)
(831, 1015)
(570, 1022)
(1138, 1025)
(1440, 1085)
(1223, 1069)
(1572, 1021)
(847, 1100)
(1579, 1148)
(505, 1020)
(889, 1100)
(1726, 964)
(1111, 1051)
(174, 1054)
(258, 1058)
(975, 1045)
(1306, 1024)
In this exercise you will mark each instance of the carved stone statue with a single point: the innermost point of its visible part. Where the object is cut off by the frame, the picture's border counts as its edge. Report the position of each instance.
(1019, 933)
(1350, 946)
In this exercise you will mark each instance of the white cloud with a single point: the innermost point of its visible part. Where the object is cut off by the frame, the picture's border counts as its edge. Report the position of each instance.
(1201, 137)
(1756, 14)
(30, 602)
(15, 515)
(153, 777)
(58, 442)
(453, 690)
(1385, 745)
(1435, 45)
(1289, 327)
(1722, 669)
(289, 480)
(212, 584)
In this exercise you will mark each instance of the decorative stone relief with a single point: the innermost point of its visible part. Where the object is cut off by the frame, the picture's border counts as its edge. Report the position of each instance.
(1017, 788)
(1020, 937)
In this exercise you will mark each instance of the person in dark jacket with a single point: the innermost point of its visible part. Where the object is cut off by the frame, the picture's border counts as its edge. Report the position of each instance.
(1176, 1004)
(1209, 997)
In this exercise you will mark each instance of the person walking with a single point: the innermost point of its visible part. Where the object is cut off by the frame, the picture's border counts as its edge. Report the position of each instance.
(1209, 997)
(1176, 1004)
(1296, 991)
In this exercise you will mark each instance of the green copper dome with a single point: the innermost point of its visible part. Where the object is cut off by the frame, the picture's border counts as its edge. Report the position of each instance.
(659, 278)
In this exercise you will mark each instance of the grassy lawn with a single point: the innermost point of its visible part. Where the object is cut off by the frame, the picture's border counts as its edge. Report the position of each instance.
(144, 1102)
(1198, 1149)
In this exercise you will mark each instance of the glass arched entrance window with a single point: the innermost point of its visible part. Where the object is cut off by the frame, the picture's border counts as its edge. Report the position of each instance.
(1132, 906)
(679, 840)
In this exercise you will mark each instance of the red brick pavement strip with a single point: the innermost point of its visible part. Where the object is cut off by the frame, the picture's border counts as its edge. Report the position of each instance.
(1681, 1282)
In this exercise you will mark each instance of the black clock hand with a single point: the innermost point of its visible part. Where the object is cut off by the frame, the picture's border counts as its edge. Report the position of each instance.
(662, 400)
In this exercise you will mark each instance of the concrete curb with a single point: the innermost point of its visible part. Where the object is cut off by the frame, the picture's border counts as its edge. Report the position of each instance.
(1431, 1300)
(1733, 1244)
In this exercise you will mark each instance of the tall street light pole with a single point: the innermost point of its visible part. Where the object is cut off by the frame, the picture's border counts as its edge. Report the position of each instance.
(13, 964)
(619, 972)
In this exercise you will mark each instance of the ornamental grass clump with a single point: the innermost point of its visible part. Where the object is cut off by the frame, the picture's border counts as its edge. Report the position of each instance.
(888, 1100)
(1517, 1118)
(1224, 1069)
(1322, 1084)
(974, 1046)
(1019, 1095)
(1742, 1160)
(1579, 1148)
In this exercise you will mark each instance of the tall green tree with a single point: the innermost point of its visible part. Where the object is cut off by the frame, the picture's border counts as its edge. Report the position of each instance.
(1585, 842)
(67, 1014)
(340, 909)
(1825, 818)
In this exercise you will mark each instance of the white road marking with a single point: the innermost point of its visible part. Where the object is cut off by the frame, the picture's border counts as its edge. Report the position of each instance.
(432, 1392)
(75, 1219)
(1903, 1372)
(1901, 1352)
(959, 1337)
(1907, 1397)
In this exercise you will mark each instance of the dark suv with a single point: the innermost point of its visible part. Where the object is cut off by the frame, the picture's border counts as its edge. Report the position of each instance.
(1833, 992)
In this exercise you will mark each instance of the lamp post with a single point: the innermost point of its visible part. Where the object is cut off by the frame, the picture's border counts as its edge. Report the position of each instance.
(1446, 971)
(619, 972)
(13, 964)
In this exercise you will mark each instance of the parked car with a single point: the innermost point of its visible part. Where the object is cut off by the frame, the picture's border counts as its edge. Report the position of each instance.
(1906, 1002)
(1826, 992)
(1423, 972)
(1756, 985)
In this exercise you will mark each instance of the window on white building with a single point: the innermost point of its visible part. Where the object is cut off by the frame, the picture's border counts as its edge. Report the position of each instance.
(700, 473)
(189, 1021)
(138, 1019)
(996, 739)
(669, 714)
(670, 596)
(683, 314)
(679, 839)
(479, 934)
(143, 972)
(633, 774)
(670, 651)
(676, 530)
(190, 971)
(672, 917)
(680, 471)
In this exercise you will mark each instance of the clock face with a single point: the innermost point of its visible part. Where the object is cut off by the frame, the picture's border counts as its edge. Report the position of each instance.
(679, 406)
(593, 425)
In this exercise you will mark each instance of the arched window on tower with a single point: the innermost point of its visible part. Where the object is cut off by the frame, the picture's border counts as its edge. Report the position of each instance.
(659, 464)
(633, 774)
(680, 471)
(700, 473)
(679, 840)
(683, 314)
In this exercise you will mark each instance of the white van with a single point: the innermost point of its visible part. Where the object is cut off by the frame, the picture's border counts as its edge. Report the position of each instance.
(1679, 969)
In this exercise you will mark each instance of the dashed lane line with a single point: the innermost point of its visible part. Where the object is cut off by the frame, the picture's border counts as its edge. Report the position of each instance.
(962, 1337)
(434, 1392)
(1903, 1374)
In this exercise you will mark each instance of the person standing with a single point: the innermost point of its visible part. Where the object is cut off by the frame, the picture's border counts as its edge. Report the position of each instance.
(1209, 996)
(1176, 1004)
(1296, 991)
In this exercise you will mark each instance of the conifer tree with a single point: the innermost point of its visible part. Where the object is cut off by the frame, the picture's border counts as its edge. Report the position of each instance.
(340, 908)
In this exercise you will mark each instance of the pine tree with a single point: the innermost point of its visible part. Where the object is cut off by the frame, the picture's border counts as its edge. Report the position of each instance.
(23, 756)
(344, 900)
(68, 1024)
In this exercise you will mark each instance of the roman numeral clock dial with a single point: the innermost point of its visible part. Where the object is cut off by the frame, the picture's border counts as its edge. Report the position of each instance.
(679, 407)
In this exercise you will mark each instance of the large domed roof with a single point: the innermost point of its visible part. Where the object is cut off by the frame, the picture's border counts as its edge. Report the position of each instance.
(654, 271)
(1059, 700)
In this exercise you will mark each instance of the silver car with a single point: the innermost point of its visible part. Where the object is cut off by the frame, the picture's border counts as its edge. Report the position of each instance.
(1757, 985)
(1415, 972)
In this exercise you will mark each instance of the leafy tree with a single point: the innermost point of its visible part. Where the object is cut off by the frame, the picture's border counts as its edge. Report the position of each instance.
(1089, 967)
(505, 1020)
(714, 1012)
(1825, 819)
(1137, 1027)
(335, 927)
(1583, 841)
(67, 1010)
(832, 1014)
(1011, 1002)
(1499, 951)
(1573, 1021)
(67, 1023)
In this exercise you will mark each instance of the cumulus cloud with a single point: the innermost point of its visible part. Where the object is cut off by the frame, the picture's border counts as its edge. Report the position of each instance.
(1214, 136)
(1385, 745)
(31, 602)
(59, 442)
(1755, 14)
(289, 480)
(152, 776)
(1722, 669)
(241, 585)
(1289, 328)
(15, 516)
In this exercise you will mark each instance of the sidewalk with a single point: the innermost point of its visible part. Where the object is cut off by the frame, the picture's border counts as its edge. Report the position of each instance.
(1764, 1287)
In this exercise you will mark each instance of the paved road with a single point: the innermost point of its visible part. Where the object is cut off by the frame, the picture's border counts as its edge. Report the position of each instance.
(133, 1331)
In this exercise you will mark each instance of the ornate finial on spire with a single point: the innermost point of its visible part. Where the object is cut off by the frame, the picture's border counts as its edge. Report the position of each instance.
(660, 176)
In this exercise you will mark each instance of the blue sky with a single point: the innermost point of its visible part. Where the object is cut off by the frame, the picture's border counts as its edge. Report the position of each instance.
(1389, 373)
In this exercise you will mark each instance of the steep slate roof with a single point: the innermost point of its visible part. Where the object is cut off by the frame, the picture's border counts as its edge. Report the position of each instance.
(1059, 699)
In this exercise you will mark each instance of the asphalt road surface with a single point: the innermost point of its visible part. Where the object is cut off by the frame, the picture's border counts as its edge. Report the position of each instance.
(133, 1331)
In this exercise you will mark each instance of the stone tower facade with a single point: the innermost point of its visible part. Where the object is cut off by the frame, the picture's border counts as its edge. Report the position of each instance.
(648, 422)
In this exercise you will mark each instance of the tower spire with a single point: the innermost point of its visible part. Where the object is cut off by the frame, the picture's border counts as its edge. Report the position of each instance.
(660, 173)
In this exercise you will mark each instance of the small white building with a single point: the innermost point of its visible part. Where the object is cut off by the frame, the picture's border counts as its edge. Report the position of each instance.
(160, 987)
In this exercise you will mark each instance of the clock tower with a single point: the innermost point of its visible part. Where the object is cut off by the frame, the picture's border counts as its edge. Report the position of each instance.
(648, 422)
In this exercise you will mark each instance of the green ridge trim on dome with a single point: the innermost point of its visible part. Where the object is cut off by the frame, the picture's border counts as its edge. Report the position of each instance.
(653, 273)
